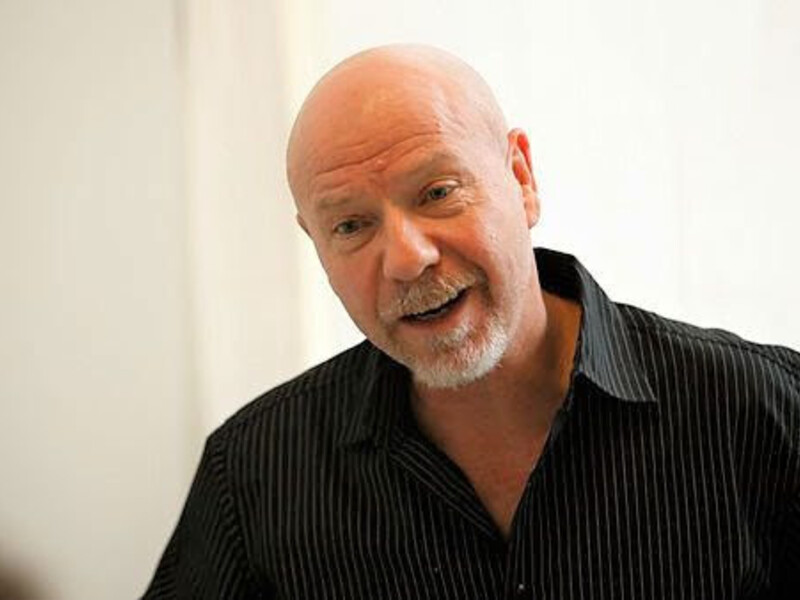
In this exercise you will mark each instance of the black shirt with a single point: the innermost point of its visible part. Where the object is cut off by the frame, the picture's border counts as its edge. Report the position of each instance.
(672, 471)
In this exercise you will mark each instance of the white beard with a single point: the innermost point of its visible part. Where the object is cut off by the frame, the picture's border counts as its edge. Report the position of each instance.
(457, 358)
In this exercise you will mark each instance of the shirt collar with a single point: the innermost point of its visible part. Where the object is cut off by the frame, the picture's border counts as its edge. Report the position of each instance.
(378, 402)
(606, 356)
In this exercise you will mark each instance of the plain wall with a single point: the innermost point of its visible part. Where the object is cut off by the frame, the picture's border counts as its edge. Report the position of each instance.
(97, 435)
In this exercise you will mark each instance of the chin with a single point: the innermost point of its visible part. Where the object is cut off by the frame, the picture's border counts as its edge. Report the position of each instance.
(457, 361)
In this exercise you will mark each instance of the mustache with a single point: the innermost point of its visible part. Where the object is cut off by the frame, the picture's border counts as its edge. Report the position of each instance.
(428, 292)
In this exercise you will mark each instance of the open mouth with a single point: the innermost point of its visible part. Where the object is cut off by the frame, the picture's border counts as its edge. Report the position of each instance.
(439, 311)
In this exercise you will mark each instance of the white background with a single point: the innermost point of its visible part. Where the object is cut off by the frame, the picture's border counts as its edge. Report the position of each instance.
(153, 279)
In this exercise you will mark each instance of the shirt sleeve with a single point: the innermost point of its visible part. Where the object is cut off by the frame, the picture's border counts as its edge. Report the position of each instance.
(788, 560)
(790, 581)
(205, 557)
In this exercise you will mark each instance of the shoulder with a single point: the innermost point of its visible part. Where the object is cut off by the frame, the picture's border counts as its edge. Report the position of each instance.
(700, 348)
(717, 372)
(715, 387)
(317, 401)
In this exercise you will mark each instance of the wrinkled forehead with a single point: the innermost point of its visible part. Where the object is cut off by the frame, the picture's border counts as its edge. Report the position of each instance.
(365, 125)
(358, 117)
(353, 123)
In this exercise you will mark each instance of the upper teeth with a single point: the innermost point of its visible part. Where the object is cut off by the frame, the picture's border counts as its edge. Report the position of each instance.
(436, 307)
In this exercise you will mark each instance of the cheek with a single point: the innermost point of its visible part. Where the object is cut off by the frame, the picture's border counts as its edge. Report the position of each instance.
(355, 291)
(502, 246)
(501, 230)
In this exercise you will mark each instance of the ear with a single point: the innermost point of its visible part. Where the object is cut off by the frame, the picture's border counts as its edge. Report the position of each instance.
(519, 155)
(302, 224)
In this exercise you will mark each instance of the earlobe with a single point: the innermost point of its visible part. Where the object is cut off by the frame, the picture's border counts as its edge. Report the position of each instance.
(302, 224)
(522, 168)
(532, 207)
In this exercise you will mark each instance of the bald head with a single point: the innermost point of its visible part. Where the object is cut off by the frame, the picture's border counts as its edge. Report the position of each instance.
(419, 202)
(355, 109)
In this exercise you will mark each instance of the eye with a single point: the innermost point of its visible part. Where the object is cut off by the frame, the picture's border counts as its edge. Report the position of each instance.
(348, 227)
(437, 192)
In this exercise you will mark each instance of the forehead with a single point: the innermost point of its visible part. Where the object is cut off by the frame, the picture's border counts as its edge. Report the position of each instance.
(380, 129)
(373, 104)
(404, 165)
(373, 126)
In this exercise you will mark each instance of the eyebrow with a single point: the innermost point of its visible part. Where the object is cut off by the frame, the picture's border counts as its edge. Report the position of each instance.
(432, 161)
(329, 204)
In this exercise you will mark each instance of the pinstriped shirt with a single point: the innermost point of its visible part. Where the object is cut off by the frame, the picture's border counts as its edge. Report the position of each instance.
(672, 471)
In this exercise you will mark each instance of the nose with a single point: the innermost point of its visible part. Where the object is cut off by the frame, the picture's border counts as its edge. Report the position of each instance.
(408, 250)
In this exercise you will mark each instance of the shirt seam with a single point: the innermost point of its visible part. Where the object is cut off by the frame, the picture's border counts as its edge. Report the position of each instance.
(790, 370)
(787, 367)
(225, 450)
(257, 407)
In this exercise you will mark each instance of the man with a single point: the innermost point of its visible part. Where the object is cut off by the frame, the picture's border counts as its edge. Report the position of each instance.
(506, 430)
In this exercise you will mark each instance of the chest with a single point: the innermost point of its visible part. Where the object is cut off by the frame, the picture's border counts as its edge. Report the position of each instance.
(499, 477)
(610, 514)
